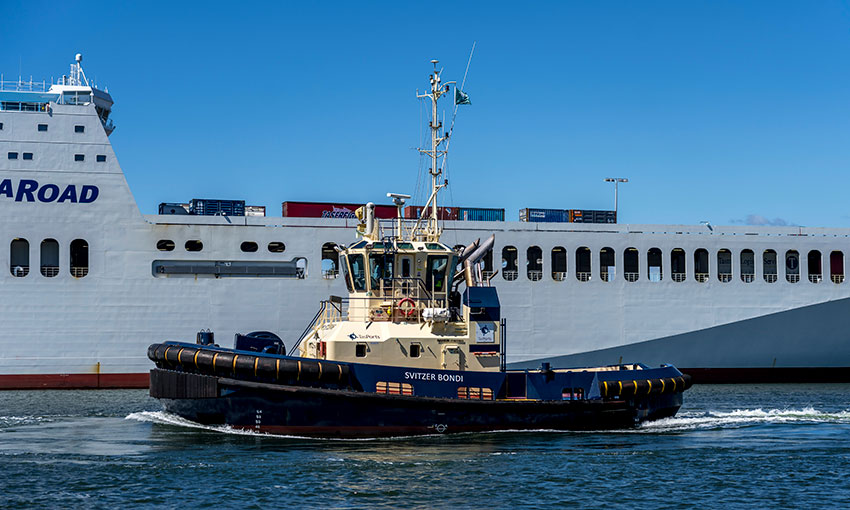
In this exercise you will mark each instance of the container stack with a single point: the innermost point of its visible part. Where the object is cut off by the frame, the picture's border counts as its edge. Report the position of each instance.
(567, 216)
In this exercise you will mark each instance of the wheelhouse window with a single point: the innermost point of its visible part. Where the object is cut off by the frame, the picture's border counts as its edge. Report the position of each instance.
(654, 266)
(748, 266)
(583, 270)
(49, 258)
(792, 266)
(534, 263)
(435, 278)
(165, 245)
(815, 266)
(358, 271)
(509, 263)
(249, 247)
(607, 264)
(194, 245)
(769, 266)
(559, 263)
(724, 265)
(330, 261)
(701, 265)
(19, 257)
(631, 264)
(836, 266)
(678, 273)
(276, 247)
(381, 270)
(79, 255)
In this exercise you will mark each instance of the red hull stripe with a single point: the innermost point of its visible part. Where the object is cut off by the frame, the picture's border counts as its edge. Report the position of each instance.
(73, 381)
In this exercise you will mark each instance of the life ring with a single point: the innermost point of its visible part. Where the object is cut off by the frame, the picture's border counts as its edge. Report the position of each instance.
(407, 306)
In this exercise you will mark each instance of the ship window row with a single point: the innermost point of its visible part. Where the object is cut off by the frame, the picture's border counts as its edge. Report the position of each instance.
(677, 266)
(27, 156)
(78, 128)
(49, 252)
(198, 245)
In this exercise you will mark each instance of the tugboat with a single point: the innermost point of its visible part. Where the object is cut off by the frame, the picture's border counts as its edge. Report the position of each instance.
(417, 347)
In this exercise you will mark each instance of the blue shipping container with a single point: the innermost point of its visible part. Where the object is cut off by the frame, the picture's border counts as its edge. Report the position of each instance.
(544, 215)
(479, 214)
(208, 207)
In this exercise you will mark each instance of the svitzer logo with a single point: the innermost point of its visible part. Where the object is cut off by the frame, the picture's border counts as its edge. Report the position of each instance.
(29, 190)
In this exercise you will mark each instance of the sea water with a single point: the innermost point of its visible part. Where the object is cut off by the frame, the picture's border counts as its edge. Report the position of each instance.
(730, 446)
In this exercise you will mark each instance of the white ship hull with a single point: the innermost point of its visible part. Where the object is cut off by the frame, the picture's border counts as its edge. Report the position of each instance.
(93, 331)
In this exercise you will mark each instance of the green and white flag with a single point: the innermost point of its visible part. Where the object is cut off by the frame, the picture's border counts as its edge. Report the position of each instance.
(460, 97)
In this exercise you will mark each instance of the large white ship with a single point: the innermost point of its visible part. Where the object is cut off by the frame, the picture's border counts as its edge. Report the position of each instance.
(87, 282)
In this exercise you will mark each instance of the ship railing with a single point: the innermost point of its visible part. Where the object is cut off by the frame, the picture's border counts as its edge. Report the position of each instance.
(604, 276)
(679, 277)
(770, 278)
(748, 278)
(559, 276)
(792, 278)
(23, 86)
(631, 277)
(49, 271)
(79, 272)
(330, 274)
(535, 276)
(724, 277)
(510, 275)
(815, 277)
(701, 277)
(388, 229)
(836, 278)
(487, 274)
(20, 271)
(583, 276)
(330, 312)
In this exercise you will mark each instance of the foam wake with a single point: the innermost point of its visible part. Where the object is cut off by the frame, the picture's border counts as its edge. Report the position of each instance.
(742, 418)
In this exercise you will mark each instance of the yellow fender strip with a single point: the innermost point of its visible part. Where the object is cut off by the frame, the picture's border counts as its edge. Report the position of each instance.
(256, 362)
(178, 355)
(662, 385)
(277, 370)
(235, 356)
(605, 383)
(650, 386)
(635, 383)
(674, 383)
(320, 369)
(165, 355)
(621, 386)
(215, 356)
(298, 376)
(339, 367)
(196, 358)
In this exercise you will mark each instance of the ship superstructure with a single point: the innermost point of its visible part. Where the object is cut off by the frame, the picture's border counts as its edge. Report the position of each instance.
(88, 282)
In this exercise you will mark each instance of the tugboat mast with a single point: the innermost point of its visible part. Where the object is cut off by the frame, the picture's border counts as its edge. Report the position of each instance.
(437, 91)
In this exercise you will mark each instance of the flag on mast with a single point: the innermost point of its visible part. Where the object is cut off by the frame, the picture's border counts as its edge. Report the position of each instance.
(461, 97)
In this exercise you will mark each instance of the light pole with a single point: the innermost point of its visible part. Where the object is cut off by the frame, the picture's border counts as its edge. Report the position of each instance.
(616, 181)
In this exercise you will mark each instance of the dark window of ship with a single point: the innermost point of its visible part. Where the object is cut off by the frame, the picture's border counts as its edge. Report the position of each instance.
(249, 246)
(194, 245)
(13, 155)
(42, 127)
(101, 158)
(276, 247)
(79, 157)
(165, 245)
(1, 126)
(415, 350)
(79, 129)
(360, 350)
(28, 156)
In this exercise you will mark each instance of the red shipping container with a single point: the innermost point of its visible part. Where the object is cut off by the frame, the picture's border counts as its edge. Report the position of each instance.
(332, 210)
(413, 212)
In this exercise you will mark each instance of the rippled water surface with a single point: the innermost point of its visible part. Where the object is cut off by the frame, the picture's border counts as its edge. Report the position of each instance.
(730, 446)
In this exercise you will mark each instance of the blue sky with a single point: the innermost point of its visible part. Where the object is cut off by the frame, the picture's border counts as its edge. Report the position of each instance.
(722, 111)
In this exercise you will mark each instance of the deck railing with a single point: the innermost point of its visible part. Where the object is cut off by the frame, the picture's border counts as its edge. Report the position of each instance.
(679, 277)
(770, 278)
(792, 278)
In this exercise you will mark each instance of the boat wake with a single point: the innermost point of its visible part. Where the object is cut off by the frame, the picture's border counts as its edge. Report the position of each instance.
(692, 420)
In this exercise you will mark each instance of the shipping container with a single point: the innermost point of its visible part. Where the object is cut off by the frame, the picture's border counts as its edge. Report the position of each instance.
(255, 210)
(414, 212)
(214, 207)
(332, 210)
(480, 214)
(173, 208)
(544, 215)
(592, 216)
